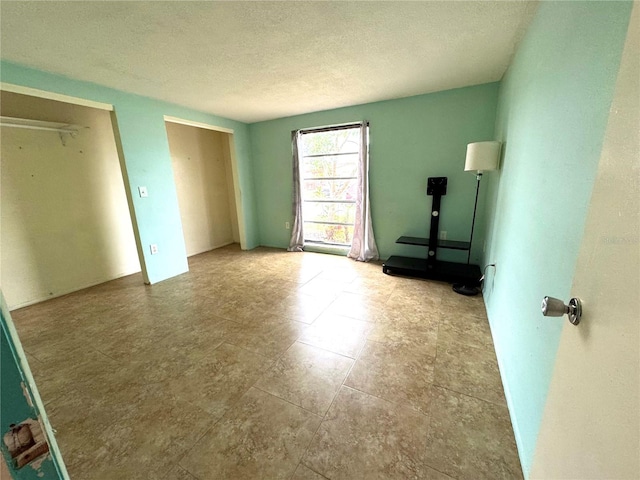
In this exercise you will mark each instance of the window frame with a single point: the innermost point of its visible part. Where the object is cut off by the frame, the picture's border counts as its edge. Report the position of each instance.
(303, 179)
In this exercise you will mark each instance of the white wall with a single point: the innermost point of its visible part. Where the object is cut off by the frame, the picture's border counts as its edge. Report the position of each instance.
(202, 172)
(64, 218)
(591, 423)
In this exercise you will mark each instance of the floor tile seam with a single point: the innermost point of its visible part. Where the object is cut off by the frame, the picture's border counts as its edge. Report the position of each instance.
(437, 384)
(488, 348)
(119, 362)
(35, 357)
(307, 466)
(501, 405)
(347, 357)
(206, 432)
(251, 352)
(326, 350)
(186, 470)
(269, 367)
(181, 455)
(485, 348)
(312, 278)
(315, 433)
(482, 318)
(453, 338)
(426, 464)
(352, 360)
(333, 400)
(47, 402)
(393, 402)
(413, 355)
(320, 416)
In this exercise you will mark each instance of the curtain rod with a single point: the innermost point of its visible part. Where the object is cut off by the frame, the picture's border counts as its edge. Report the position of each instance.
(328, 128)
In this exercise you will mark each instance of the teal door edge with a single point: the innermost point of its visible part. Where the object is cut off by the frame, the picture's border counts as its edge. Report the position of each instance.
(19, 401)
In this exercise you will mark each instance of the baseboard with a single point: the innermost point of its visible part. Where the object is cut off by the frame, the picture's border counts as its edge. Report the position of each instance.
(90, 284)
(208, 249)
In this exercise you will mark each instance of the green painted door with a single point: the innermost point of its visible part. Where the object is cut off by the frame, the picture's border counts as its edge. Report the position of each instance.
(16, 386)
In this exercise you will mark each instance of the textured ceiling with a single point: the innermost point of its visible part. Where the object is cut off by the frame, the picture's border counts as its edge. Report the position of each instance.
(254, 61)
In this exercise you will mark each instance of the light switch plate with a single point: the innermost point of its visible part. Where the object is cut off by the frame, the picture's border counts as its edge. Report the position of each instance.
(143, 192)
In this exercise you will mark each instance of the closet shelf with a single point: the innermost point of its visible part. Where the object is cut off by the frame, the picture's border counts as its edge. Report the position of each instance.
(62, 129)
(15, 122)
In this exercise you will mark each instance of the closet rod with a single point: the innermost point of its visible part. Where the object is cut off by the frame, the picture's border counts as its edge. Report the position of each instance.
(39, 125)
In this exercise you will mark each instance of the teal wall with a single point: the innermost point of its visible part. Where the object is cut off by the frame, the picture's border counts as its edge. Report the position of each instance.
(552, 113)
(410, 139)
(148, 162)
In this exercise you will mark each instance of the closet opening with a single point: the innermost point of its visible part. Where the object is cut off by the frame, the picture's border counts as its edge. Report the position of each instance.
(66, 223)
(205, 173)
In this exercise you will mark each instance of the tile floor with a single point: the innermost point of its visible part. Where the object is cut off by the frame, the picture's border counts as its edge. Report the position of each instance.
(274, 365)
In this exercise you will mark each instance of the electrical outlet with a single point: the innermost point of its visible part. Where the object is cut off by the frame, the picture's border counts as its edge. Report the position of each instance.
(286, 225)
(154, 248)
(443, 234)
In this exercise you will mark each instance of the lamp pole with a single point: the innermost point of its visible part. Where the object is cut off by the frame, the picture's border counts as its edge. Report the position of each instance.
(475, 208)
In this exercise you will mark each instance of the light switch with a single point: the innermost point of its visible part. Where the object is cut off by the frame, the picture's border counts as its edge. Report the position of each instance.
(143, 192)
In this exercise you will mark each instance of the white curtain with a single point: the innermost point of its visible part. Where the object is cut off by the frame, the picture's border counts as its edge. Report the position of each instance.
(297, 235)
(363, 244)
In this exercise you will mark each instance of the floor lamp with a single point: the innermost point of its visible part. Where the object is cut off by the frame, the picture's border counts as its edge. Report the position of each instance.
(481, 157)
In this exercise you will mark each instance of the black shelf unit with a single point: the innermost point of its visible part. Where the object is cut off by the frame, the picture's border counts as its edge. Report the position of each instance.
(430, 267)
(424, 242)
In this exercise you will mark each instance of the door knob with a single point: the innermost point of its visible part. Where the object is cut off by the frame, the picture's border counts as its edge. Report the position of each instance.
(552, 307)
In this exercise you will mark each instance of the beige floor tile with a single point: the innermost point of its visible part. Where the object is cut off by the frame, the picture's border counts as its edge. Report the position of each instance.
(246, 310)
(320, 287)
(302, 307)
(408, 303)
(306, 376)
(470, 438)
(469, 370)
(395, 372)
(151, 442)
(219, 380)
(198, 338)
(269, 338)
(468, 329)
(376, 287)
(365, 437)
(338, 334)
(261, 437)
(305, 473)
(465, 305)
(75, 368)
(406, 329)
(78, 420)
(359, 307)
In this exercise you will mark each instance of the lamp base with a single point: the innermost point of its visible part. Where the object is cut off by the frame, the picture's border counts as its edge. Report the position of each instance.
(466, 290)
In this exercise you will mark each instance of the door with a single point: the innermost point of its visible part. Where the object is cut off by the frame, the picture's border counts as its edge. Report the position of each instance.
(591, 423)
(21, 404)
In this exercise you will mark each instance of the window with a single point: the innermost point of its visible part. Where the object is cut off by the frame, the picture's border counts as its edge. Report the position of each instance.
(329, 162)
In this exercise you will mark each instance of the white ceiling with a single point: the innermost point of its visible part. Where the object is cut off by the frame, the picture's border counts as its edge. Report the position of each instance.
(254, 61)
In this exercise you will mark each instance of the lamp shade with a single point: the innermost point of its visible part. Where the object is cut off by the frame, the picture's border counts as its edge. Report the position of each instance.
(482, 156)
